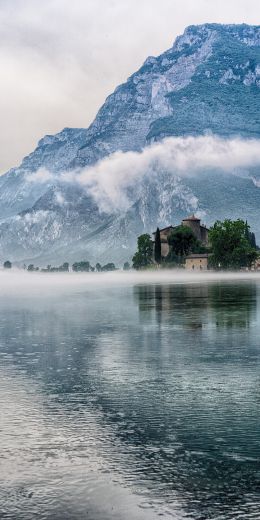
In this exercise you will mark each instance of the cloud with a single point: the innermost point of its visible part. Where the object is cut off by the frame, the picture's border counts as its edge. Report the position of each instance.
(60, 59)
(256, 182)
(41, 176)
(110, 180)
(60, 199)
(114, 182)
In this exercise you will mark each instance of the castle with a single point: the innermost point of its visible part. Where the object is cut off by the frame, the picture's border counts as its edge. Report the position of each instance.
(200, 231)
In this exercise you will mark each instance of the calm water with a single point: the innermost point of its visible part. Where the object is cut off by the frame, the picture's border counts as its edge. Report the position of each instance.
(130, 401)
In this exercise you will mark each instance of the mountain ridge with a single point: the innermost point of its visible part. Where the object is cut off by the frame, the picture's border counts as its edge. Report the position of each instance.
(208, 81)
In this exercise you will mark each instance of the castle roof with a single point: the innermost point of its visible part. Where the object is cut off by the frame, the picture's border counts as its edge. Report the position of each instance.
(164, 229)
(192, 217)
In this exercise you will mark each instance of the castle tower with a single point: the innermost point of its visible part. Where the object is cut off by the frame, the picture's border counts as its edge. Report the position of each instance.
(193, 223)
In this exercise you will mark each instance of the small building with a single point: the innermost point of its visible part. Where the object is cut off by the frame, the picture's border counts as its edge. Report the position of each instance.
(200, 231)
(197, 262)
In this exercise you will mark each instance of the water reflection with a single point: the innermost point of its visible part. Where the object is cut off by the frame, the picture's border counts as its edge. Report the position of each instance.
(150, 389)
(194, 305)
(234, 306)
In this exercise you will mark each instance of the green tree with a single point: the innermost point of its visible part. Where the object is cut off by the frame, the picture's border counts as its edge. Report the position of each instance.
(250, 236)
(109, 267)
(231, 245)
(182, 241)
(252, 240)
(157, 247)
(80, 267)
(8, 264)
(143, 256)
(30, 267)
(98, 267)
(126, 266)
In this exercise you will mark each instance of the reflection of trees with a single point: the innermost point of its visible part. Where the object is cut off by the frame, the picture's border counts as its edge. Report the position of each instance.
(179, 305)
(233, 305)
(192, 306)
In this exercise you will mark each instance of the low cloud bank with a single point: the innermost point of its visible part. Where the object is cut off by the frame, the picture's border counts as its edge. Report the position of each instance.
(111, 180)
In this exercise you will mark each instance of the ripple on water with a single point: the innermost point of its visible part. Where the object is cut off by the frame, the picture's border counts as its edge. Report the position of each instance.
(132, 403)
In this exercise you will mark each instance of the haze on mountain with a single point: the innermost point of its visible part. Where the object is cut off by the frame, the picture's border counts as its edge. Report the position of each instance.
(201, 94)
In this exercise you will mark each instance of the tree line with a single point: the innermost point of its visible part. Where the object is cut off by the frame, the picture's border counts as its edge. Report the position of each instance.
(78, 267)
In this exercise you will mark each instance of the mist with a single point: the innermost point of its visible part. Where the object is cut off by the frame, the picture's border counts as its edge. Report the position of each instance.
(18, 282)
(111, 180)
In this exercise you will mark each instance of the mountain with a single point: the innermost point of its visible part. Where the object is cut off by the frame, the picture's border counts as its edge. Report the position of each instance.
(207, 82)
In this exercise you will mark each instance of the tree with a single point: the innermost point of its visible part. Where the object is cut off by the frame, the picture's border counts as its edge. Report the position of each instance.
(61, 269)
(8, 264)
(182, 241)
(30, 267)
(252, 240)
(143, 256)
(126, 266)
(250, 236)
(98, 267)
(109, 267)
(80, 267)
(231, 245)
(157, 247)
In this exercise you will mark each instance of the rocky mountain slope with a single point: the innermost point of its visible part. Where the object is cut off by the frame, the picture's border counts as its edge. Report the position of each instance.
(208, 82)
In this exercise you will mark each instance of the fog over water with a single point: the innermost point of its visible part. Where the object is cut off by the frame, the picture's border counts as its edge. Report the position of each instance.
(129, 395)
(17, 280)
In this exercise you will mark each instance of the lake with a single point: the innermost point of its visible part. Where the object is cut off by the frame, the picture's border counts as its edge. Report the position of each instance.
(129, 396)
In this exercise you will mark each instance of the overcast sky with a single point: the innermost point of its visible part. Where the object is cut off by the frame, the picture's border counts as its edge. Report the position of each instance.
(60, 58)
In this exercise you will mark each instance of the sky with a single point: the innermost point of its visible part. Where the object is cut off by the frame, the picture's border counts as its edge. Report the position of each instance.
(60, 59)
